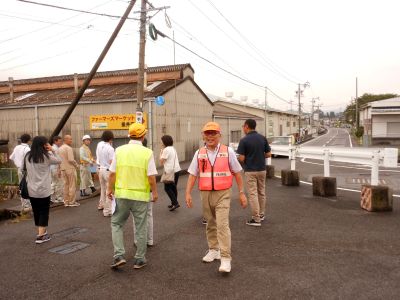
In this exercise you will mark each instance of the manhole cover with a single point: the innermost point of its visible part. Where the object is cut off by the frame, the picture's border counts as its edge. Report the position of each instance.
(69, 248)
(69, 232)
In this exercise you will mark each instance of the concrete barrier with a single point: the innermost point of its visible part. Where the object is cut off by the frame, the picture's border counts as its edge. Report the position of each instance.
(270, 171)
(290, 177)
(324, 186)
(376, 198)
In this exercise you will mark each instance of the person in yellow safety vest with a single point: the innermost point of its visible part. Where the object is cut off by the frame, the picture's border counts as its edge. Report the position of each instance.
(132, 176)
(215, 165)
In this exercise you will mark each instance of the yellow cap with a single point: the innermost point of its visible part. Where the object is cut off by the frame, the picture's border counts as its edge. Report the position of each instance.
(211, 126)
(137, 130)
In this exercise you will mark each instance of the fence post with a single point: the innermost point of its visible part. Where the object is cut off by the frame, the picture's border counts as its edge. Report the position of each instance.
(292, 156)
(375, 168)
(326, 163)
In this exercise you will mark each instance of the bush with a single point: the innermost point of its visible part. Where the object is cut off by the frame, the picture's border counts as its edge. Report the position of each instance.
(359, 132)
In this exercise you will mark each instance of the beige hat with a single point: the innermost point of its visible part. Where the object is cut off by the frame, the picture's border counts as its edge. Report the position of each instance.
(86, 137)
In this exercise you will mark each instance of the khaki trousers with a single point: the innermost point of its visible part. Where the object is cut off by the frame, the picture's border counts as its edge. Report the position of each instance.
(104, 201)
(69, 177)
(255, 184)
(57, 186)
(216, 205)
(86, 177)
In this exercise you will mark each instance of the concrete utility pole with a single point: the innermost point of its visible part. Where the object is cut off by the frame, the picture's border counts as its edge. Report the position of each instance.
(299, 95)
(142, 49)
(357, 116)
(265, 112)
(87, 81)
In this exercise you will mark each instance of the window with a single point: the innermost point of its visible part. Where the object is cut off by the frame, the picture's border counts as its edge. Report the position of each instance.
(287, 124)
(235, 136)
(294, 124)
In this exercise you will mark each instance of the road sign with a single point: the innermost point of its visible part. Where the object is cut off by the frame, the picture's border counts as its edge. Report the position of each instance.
(160, 100)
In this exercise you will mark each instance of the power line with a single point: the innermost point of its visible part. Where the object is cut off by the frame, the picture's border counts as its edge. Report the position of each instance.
(259, 52)
(222, 69)
(76, 10)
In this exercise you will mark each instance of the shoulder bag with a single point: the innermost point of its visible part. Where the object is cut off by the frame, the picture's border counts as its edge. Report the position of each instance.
(23, 185)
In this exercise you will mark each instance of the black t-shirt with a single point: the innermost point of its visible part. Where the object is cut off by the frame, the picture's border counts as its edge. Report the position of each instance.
(254, 146)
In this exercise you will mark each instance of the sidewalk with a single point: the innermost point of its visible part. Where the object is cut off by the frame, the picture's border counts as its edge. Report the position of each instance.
(11, 208)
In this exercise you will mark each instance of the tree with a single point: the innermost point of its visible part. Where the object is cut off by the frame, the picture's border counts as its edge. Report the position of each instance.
(350, 111)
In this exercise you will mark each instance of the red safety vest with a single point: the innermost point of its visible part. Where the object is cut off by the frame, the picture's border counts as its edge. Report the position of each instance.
(214, 177)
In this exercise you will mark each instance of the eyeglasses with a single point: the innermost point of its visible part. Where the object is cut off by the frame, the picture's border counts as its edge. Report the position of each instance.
(210, 132)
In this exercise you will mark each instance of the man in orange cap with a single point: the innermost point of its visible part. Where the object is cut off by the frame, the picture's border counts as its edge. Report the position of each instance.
(215, 165)
(132, 176)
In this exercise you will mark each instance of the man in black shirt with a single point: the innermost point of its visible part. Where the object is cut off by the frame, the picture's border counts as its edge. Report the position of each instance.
(252, 150)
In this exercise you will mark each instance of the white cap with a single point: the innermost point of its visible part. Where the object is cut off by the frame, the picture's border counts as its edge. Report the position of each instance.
(86, 137)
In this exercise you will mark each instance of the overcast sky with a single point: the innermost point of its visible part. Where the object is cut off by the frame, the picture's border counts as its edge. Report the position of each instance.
(277, 44)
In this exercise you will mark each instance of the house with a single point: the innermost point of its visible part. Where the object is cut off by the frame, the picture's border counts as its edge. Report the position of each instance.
(381, 122)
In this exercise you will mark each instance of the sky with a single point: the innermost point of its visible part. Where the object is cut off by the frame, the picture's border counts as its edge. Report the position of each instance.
(273, 44)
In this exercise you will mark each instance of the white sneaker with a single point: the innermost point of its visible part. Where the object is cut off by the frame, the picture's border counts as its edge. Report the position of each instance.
(211, 255)
(225, 265)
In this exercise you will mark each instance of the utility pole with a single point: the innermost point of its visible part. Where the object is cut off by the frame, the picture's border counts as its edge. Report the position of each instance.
(142, 49)
(299, 95)
(265, 113)
(312, 112)
(357, 116)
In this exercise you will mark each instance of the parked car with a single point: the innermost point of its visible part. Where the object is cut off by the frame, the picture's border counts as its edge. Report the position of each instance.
(280, 140)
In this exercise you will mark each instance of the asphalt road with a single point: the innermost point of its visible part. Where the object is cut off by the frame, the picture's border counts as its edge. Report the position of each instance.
(335, 137)
(309, 247)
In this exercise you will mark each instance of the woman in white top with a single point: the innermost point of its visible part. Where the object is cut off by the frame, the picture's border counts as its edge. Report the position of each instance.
(38, 177)
(169, 159)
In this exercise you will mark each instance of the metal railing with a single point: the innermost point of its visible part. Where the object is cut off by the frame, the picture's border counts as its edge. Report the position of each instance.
(374, 157)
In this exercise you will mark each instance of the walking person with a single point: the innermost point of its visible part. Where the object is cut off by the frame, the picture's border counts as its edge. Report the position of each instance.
(86, 161)
(68, 169)
(132, 176)
(215, 165)
(57, 183)
(150, 238)
(169, 159)
(104, 156)
(252, 150)
(38, 162)
(17, 156)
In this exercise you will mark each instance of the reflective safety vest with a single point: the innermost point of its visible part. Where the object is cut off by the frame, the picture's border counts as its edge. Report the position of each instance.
(131, 172)
(214, 177)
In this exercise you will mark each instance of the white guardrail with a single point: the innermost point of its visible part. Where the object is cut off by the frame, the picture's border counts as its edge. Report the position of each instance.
(375, 157)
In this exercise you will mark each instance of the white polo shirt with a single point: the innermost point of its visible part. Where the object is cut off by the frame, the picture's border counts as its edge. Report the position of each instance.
(212, 154)
(104, 155)
(19, 153)
(151, 167)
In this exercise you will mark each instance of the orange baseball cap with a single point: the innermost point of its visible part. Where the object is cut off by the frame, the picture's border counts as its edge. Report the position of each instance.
(137, 130)
(211, 126)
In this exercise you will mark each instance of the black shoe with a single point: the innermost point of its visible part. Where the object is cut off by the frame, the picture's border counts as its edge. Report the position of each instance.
(173, 207)
(139, 263)
(204, 221)
(93, 189)
(118, 262)
(252, 222)
(169, 206)
(262, 217)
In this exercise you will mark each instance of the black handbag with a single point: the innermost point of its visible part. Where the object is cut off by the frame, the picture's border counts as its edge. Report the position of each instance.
(23, 185)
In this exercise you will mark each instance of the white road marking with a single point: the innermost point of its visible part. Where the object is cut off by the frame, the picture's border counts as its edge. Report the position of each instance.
(339, 188)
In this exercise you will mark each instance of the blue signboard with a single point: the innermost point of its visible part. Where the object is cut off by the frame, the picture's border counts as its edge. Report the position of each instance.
(160, 100)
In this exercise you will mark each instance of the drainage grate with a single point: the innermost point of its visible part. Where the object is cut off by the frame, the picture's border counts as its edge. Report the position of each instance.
(69, 248)
(365, 181)
(69, 232)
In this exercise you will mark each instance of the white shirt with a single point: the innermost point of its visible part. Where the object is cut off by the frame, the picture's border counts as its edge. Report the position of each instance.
(171, 158)
(233, 161)
(151, 167)
(104, 155)
(55, 149)
(18, 154)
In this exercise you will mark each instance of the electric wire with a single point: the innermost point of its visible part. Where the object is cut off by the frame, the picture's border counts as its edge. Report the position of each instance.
(258, 51)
